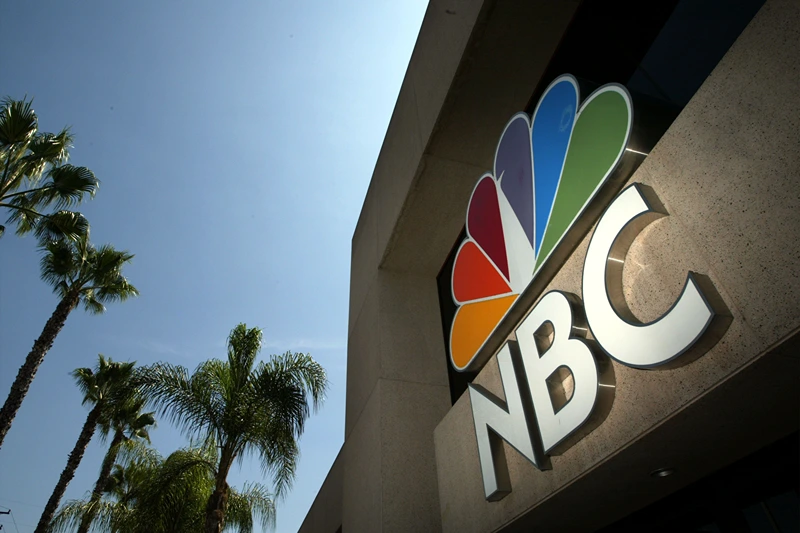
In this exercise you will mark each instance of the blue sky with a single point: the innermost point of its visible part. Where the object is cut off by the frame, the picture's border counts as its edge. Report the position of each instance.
(235, 142)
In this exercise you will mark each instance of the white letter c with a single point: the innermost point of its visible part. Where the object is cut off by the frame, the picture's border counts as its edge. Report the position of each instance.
(626, 339)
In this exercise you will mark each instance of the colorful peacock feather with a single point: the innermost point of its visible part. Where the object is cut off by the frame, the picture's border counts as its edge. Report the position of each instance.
(546, 171)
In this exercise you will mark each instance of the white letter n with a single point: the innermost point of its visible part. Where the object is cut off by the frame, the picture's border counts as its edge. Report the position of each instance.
(496, 420)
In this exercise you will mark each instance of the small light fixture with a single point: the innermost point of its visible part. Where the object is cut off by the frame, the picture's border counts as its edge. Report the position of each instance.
(662, 472)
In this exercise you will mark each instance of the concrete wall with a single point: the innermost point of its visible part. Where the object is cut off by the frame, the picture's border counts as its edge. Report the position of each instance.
(325, 515)
(728, 172)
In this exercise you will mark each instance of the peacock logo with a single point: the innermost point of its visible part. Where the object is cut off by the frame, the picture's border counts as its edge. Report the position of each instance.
(547, 169)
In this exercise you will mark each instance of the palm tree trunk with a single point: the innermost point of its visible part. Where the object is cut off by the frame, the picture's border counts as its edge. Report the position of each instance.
(28, 370)
(218, 501)
(69, 471)
(102, 481)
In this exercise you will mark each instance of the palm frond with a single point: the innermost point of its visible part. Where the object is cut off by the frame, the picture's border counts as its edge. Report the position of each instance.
(91, 304)
(66, 185)
(95, 273)
(118, 289)
(284, 383)
(108, 386)
(47, 149)
(253, 499)
(303, 372)
(86, 382)
(279, 454)
(58, 262)
(243, 347)
(23, 212)
(71, 513)
(112, 377)
(281, 389)
(140, 427)
(212, 379)
(179, 398)
(282, 402)
(107, 262)
(135, 451)
(61, 225)
(18, 122)
(103, 274)
(174, 497)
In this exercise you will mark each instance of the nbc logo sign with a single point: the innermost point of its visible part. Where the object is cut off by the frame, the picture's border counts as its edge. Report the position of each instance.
(546, 171)
(550, 170)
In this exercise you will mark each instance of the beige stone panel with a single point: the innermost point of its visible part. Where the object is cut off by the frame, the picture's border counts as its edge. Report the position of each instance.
(458, 469)
(440, 46)
(433, 217)
(397, 335)
(462, 503)
(398, 163)
(410, 412)
(361, 501)
(729, 169)
(508, 53)
(363, 358)
(411, 339)
(325, 515)
(363, 256)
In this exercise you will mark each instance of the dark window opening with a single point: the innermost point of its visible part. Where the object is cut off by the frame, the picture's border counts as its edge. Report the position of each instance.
(757, 494)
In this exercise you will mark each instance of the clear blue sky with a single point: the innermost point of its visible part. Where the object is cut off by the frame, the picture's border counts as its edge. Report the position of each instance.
(235, 142)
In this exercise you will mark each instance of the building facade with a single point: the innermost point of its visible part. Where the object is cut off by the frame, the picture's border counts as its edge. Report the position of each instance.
(689, 420)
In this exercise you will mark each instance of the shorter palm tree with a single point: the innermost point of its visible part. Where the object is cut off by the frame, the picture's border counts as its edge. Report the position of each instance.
(149, 494)
(34, 175)
(126, 420)
(243, 406)
(99, 386)
(78, 272)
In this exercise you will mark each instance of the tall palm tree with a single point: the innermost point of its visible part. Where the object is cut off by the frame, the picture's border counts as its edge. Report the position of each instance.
(78, 272)
(149, 494)
(34, 175)
(243, 406)
(128, 423)
(99, 386)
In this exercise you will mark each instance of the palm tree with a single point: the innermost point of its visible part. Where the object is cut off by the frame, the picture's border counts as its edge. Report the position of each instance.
(125, 416)
(243, 406)
(78, 272)
(99, 386)
(35, 175)
(153, 495)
